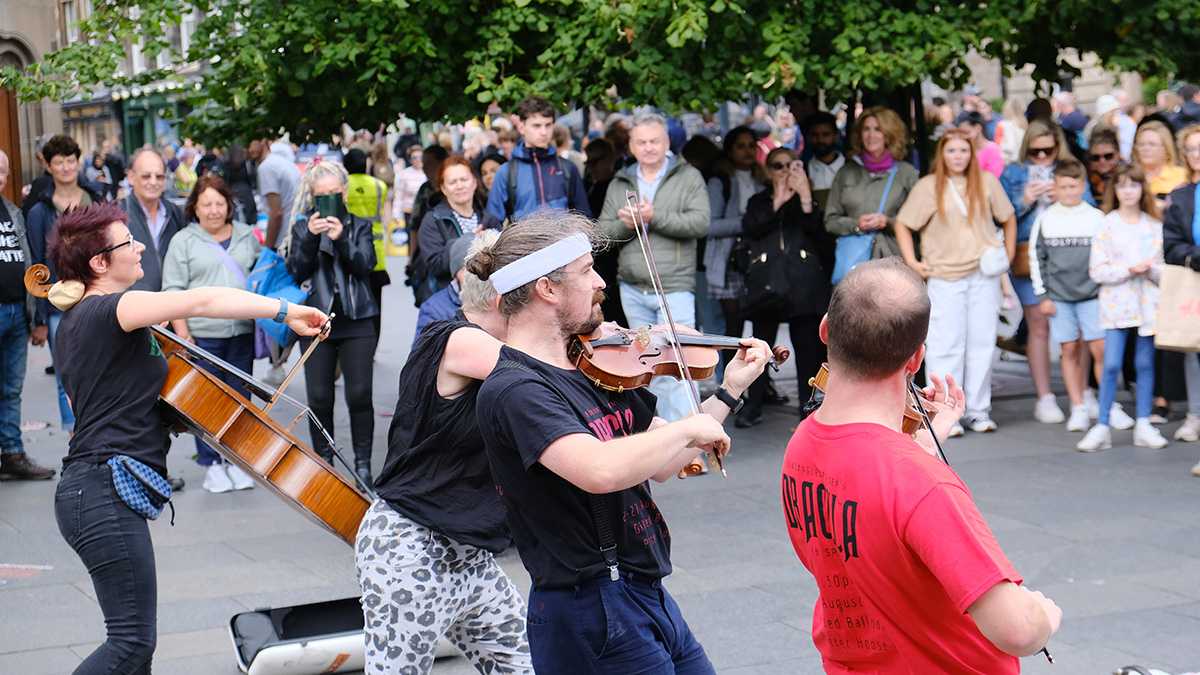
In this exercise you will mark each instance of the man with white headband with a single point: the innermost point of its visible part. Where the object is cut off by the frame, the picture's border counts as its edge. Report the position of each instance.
(572, 462)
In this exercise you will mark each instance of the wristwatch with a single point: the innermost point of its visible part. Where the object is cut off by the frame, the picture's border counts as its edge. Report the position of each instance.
(735, 404)
(283, 307)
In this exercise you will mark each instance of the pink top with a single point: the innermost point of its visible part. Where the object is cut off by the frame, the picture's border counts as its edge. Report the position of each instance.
(990, 159)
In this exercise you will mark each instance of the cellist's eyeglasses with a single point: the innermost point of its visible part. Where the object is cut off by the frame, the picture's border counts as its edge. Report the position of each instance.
(128, 242)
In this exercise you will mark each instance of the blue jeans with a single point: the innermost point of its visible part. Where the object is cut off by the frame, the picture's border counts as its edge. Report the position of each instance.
(64, 406)
(605, 627)
(1143, 361)
(14, 348)
(114, 544)
(642, 310)
(238, 351)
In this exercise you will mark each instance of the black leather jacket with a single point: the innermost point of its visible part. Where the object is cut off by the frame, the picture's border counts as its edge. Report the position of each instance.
(332, 268)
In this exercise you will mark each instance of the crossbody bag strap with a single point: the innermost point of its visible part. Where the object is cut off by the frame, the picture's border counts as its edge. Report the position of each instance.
(228, 260)
(1196, 218)
(887, 188)
(604, 532)
(957, 197)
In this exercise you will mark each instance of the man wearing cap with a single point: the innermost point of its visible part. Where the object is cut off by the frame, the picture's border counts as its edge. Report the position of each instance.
(572, 463)
(972, 101)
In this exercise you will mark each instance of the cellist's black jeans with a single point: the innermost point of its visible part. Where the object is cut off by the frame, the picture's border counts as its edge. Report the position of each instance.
(356, 355)
(114, 544)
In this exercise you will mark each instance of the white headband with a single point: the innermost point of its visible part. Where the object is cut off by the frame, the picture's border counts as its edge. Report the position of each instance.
(540, 263)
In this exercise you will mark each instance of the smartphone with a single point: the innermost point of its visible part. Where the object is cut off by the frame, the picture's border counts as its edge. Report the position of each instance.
(328, 206)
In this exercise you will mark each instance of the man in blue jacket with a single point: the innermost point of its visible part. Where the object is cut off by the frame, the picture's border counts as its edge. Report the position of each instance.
(542, 179)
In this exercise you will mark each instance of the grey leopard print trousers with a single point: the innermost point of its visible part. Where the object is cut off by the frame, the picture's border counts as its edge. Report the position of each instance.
(418, 585)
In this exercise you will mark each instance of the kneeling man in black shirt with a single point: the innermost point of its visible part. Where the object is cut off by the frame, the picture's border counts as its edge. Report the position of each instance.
(572, 462)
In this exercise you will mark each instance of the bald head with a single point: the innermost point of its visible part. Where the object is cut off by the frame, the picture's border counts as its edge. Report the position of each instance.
(878, 318)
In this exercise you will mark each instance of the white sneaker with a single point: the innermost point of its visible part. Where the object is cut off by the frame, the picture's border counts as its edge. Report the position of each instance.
(216, 480)
(981, 423)
(1196, 469)
(240, 479)
(1079, 420)
(1118, 418)
(1097, 438)
(274, 375)
(1189, 431)
(956, 430)
(1047, 411)
(1092, 403)
(1147, 436)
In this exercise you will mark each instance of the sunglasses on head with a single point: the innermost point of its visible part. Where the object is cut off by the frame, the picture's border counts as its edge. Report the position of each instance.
(1106, 157)
(1043, 152)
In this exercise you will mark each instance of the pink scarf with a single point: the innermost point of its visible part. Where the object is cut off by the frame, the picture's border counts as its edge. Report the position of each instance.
(880, 165)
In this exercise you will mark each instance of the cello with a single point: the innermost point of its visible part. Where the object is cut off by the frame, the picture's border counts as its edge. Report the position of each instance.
(196, 401)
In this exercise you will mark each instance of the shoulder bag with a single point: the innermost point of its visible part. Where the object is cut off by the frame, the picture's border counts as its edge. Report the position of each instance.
(262, 348)
(1179, 300)
(270, 278)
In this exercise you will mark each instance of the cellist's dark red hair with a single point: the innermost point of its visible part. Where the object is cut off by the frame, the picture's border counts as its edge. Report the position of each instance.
(78, 236)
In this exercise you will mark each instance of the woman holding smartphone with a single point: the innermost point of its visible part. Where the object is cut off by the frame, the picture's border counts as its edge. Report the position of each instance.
(785, 213)
(333, 251)
(1029, 184)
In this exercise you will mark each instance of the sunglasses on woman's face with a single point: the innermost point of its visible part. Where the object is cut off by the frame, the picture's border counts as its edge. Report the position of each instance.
(1106, 157)
(1043, 152)
(778, 166)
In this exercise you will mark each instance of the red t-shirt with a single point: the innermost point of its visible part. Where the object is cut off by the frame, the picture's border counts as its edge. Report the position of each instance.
(898, 550)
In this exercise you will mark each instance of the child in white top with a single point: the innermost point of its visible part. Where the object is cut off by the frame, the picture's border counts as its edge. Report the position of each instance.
(1127, 260)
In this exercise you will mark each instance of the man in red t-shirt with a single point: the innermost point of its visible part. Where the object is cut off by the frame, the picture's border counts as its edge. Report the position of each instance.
(911, 579)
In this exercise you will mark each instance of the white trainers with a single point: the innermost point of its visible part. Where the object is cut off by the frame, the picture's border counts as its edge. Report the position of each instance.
(956, 430)
(981, 423)
(1079, 419)
(1047, 411)
(1189, 431)
(216, 480)
(1097, 438)
(1118, 418)
(1092, 403)
(1147, 436)
(1196, 469)
(274, 375)
(240, 479)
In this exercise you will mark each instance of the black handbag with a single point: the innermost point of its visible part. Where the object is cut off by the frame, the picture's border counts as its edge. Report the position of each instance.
(765, 294)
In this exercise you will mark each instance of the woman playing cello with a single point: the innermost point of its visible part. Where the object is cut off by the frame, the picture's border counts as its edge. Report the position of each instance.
(112, 370)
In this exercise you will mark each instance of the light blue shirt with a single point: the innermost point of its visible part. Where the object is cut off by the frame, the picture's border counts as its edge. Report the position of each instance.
(160, 220)
(647, 189)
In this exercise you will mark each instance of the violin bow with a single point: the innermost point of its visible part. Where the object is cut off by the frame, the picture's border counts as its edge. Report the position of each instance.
(643, 236)
(912, 387)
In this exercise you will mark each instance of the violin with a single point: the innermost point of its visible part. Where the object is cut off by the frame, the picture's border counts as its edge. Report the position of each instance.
(617, 358)
(916, 415)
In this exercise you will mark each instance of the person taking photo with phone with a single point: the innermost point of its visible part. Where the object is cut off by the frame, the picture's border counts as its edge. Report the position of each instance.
(333, 251)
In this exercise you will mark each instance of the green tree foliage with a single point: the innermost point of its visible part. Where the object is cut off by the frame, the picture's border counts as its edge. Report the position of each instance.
(316, 63)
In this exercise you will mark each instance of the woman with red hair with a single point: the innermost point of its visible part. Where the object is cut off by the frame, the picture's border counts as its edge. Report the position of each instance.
(112, 369)
(962, 258)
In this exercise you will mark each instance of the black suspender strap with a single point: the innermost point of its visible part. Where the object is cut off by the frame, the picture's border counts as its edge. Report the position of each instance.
(604, 532)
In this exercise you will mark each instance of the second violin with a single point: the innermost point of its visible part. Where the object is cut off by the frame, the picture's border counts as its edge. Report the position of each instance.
(621, 358)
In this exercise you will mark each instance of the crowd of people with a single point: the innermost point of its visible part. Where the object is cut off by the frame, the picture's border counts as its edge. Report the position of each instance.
(517, 241)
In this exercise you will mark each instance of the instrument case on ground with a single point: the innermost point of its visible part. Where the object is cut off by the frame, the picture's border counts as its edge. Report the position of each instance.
(322, 637)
